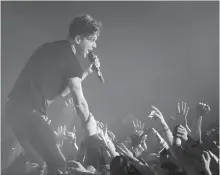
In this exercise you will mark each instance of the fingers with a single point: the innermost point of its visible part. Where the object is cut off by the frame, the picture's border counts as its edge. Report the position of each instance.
(125, 148)
(157, 110)
(186, 113)
(213, 156)
(182, 109)
(204, 107)
(121, 149)
(106, 129)
(58, 129)
(206, 155)
(152, 114)
(101, 125)
(144, 145)
(179, 135)
(98, 124)
(134, 124)
(137, 123)
(140, 124)
(178, 107)
(55, 132)
(156, 114)
(61, 130)
(49, 122)
(66, 104)
(211, 153)
(97, 62)
(74, 129)
(111, 135)
(69, 101)
(181, 129)
(203, 158)
(154, 130)
(139, 133)
(64, 130)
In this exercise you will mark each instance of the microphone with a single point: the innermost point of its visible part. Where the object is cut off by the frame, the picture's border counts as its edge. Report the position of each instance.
(92, 57)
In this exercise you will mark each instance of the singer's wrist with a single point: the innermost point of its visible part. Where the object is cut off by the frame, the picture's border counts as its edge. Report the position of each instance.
(90, 71)
(85, 74)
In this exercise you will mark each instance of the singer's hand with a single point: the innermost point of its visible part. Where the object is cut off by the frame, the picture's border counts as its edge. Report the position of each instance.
(95, 63)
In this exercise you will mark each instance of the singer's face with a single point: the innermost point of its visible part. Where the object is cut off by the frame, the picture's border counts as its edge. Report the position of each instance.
(87, 44)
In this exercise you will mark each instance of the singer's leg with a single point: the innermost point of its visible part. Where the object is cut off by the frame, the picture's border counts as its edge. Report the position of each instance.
(35, 136)
(48, 147)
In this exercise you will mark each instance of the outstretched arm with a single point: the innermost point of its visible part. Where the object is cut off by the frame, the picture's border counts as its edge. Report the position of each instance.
(81, 106)
(156, 114)
(201, 110)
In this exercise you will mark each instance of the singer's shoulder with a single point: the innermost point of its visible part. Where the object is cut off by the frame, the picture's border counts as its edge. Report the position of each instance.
(52, 49)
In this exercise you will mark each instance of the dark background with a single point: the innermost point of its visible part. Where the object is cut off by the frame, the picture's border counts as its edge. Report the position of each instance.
(151, 53)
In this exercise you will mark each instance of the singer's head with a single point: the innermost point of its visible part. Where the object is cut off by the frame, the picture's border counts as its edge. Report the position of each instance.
(83, 33)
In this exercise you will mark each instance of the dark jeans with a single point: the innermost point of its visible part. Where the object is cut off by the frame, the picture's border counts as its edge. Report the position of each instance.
(34, 133)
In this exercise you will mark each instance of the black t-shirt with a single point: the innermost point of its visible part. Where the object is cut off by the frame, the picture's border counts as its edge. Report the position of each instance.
(46, 75)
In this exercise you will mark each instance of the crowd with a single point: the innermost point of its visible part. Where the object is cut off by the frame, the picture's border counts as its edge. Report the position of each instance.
(182, 150)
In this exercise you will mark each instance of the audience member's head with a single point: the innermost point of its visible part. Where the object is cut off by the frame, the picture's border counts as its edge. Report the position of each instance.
(122, 165)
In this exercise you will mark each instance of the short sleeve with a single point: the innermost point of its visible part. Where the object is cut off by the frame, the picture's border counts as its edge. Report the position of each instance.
(71, 67)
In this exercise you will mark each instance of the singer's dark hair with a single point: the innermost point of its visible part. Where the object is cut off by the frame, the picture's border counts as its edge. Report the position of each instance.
(84, 25)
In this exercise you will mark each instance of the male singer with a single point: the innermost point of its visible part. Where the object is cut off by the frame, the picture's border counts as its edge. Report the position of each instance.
(53, 68)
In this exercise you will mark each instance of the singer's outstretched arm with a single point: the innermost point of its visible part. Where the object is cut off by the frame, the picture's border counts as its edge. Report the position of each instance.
(81, 105)
(82, 108)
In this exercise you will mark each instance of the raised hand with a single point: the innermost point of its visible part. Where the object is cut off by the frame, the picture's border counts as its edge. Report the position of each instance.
(124, 150)
(100, 127)
(138, 127)
(112, 136)
(69, 102)
(75, 166)
(156, 114)
(72, 135)
(46, 119)
(95, 62)
(144, 145)
(108, 142)
(214, 156)
(61, 134)
(107, 139)
(182, 109)
(181, 133)
(202, 109)
(206, 160)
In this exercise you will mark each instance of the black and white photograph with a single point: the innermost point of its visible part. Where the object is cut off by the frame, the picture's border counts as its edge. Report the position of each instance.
(110, 87)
